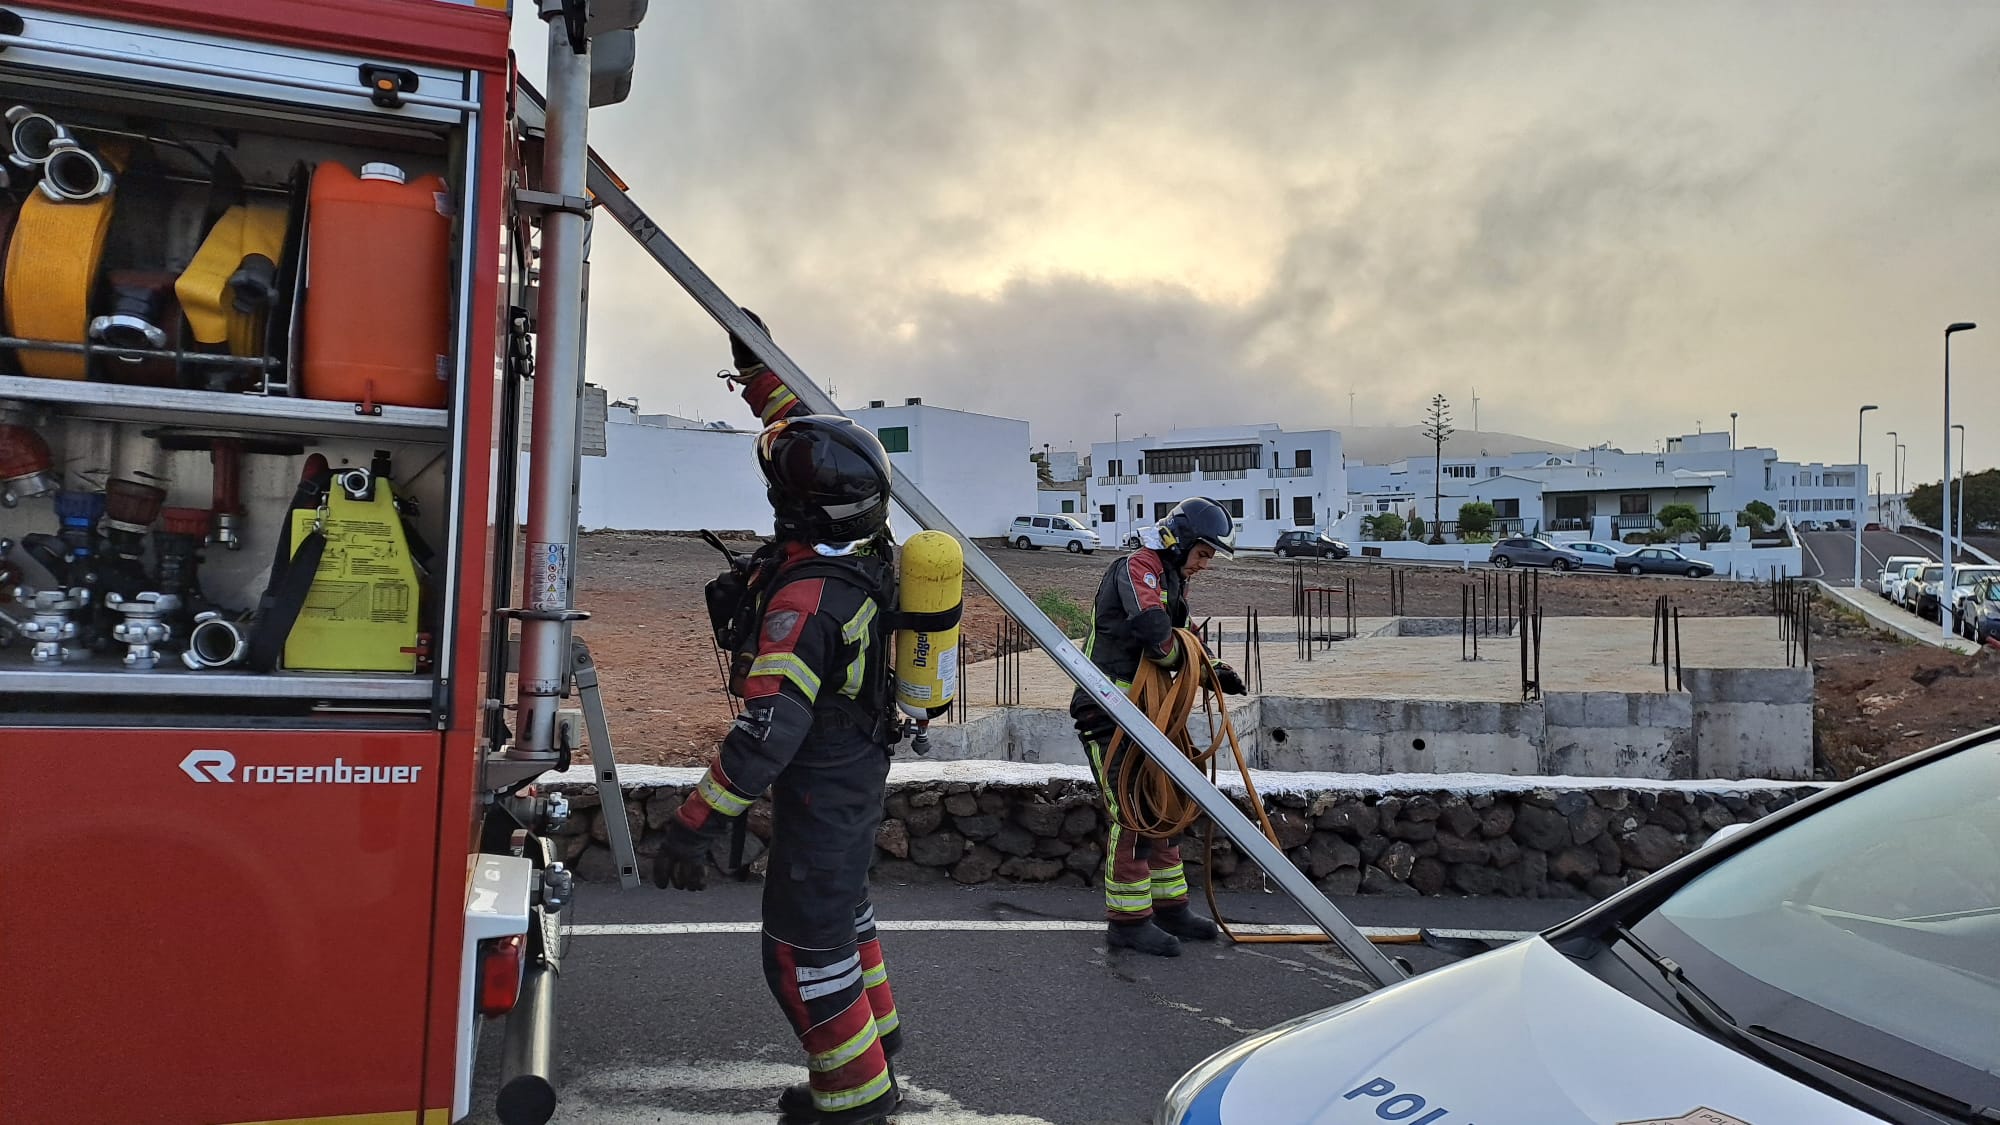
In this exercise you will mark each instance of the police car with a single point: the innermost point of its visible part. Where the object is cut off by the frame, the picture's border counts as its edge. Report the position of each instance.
(1837, 962)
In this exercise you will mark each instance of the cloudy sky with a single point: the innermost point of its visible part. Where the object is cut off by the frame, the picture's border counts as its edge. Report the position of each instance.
(1614, 220)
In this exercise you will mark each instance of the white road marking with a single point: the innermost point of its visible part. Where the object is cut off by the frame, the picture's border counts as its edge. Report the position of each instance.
(654, 1095)
(1219, 1021)
(1868, 555)
(1817, 571)
(979, 925)
(1329, 974)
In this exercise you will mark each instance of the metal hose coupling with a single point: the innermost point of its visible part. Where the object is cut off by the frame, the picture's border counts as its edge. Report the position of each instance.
(50, 625)
(137, 310)
(31, 137)
(144, 627)
(74, 174)
(215, 642)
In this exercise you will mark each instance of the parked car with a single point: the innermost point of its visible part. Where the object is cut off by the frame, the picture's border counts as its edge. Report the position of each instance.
(1524, 550)
(1830, 964)
(1034, 532)
(1311, 544)
(1599, 556)
(1893, 588)
(1892, 573)
(1963, 579)
(1910, 594)
(1982, 611)
(1663, 560)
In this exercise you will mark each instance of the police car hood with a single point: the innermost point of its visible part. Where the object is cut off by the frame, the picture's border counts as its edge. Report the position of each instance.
(1519, 1036)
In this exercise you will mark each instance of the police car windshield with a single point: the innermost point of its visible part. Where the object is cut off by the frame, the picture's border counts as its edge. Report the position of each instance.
(1870, 929)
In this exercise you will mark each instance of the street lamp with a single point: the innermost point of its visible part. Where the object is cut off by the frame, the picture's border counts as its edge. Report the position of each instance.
(1732, 429)
(1117, 490)
(1960, 427)
(1902, 485)
(1944, 505)
(1895, 474)
(1861, 502)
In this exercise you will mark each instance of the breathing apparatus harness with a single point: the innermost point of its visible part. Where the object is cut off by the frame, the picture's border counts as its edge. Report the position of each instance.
(738, 596)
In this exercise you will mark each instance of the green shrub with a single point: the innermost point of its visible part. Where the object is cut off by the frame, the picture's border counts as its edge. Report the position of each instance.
(1068, 614)
(1383, 526)
(1756, 515)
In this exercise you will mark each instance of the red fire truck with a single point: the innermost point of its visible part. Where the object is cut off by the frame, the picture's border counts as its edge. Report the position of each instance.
(267, 285)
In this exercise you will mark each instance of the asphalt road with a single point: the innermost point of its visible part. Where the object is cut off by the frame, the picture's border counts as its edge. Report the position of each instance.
(1005, 1026)
(1829, 555)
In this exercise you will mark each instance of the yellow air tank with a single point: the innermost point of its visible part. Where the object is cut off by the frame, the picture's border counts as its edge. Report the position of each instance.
(931, 599)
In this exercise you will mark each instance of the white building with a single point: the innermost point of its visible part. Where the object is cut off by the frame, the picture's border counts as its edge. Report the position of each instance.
(1066, 489)
(1269, 479)
(660, 472)
(1817, 493)
(1061, 500)
(1607, 493)
(1066, 466)
(973, 466)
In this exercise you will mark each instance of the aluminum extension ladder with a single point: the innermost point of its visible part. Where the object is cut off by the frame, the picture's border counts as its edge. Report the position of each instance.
(608, 193)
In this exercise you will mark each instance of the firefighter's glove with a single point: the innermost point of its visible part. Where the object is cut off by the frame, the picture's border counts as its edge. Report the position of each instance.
(683, 859)
(739, 351)
(1093, 723)
(1227, 679)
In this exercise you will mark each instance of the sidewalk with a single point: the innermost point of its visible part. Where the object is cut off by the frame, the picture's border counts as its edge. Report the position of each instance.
(1879, 612)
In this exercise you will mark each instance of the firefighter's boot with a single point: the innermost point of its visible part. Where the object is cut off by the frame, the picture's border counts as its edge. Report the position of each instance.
(796, 1103)
(1143, 936)
(796, 1107)
(1185, 923)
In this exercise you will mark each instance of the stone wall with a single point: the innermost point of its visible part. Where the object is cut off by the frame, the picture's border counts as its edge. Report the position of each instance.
(1557, 839)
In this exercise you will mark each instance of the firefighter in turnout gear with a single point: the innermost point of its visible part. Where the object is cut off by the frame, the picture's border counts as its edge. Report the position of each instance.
(816, 726)
(1140, 602)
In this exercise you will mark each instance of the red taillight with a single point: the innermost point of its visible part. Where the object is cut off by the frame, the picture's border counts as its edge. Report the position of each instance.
(500, 962)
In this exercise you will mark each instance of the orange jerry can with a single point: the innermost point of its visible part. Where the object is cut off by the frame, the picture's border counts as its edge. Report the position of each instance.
(378, 294)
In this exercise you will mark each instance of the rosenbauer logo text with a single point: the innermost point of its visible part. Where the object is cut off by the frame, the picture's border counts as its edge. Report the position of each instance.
(220, 765)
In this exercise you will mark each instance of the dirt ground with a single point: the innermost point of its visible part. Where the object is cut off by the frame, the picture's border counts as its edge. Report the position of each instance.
(1879, 697)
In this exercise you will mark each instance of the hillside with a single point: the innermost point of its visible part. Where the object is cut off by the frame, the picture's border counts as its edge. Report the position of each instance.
(1377, 445)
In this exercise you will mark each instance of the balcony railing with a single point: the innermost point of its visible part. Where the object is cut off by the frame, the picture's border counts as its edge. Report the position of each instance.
(1624, 523)
(1225, 474)
(1118, 480)
(1169, 478)
(1304, 472)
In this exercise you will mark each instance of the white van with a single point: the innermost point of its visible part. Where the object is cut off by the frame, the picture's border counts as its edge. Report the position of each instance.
(1892, 570)
(1034, 532)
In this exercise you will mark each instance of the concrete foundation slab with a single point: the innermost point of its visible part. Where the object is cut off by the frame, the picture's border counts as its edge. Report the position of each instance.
(1384, 701)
